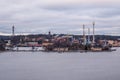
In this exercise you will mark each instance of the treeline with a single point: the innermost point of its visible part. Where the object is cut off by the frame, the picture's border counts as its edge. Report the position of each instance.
(97, 37)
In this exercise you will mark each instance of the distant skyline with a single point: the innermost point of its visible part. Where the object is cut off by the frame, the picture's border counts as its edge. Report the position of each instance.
(59, 16)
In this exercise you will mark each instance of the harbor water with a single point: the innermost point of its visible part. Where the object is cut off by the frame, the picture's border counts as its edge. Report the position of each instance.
(60, 66)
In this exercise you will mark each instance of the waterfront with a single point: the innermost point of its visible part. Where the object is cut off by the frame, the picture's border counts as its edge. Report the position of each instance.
(60, 66)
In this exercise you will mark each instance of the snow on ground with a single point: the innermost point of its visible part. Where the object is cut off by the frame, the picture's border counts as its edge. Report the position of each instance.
(60, 66)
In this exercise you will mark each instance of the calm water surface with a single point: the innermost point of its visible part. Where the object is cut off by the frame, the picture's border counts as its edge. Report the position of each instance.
(60, 66)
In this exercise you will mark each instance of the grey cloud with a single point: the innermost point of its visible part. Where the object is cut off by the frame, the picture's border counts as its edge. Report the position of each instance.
(40, 17)
(97, 10)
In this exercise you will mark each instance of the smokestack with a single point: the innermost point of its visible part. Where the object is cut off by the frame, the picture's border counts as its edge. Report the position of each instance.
(93, 41)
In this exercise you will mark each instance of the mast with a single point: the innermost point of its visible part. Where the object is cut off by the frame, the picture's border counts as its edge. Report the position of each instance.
(13, 31)
(12, 36)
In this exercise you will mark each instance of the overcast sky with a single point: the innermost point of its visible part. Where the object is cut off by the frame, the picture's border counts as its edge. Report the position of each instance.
(59, 16)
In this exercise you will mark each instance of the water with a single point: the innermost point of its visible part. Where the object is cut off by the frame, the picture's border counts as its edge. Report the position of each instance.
(60, 66)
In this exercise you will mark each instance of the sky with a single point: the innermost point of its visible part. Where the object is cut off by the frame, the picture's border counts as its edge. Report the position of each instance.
(59, 16)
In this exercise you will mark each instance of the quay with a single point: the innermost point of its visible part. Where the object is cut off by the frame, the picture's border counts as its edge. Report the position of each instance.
(59, 50)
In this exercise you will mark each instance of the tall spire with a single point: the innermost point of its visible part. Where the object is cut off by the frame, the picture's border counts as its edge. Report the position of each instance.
(88, 35)
(83, 30)
(93, 40)
(84, 37)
